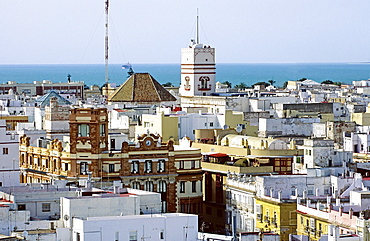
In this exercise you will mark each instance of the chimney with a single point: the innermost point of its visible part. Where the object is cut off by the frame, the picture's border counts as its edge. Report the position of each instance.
(341, 210)
(304, 194)
(350, 213)
(279, 195)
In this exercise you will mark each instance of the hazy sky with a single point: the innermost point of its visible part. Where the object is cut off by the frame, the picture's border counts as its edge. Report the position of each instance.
(154, 31)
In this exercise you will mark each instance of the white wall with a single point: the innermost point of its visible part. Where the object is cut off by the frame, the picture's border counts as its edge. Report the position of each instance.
(9, 156)
(173, 227)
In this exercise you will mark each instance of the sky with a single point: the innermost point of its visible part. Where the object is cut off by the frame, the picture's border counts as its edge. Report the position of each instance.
(154, 31)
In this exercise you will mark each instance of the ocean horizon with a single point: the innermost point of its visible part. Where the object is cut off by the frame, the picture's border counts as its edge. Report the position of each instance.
(248, 73)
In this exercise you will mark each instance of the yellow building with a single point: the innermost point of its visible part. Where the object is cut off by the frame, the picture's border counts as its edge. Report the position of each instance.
(276, 216)
(361, 118)
(165, 125)
(193, 125)
(311, 226)
(13, 120)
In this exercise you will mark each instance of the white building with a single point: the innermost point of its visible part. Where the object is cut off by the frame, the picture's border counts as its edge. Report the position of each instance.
(321, 153)
(42, 201)
(170, 226)
(134, 202)
(357, 142)
(286, 126)
(9, 156)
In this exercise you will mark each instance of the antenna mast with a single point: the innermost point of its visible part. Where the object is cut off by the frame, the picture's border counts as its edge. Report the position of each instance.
(106, 47)
(197, 29)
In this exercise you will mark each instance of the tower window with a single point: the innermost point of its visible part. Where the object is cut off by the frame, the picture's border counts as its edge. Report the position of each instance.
(83, 168)
(83, 130)
(111, 168)
(203, 82)
(102, 130)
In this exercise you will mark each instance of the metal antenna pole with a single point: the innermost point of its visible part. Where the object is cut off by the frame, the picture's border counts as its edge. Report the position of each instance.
(106, 47)
(197, 30)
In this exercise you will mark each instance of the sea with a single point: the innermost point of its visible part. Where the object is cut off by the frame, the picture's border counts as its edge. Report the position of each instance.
(249, 74)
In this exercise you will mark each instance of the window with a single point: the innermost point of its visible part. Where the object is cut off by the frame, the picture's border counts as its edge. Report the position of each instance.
(148, 166)
(192, 164)
(83, 130)
(149, 186)
(83, 168)
(5, 151)
(78, 236)
(21, 207)
(298, 159)
(312, 223)
(194, 186)
(162, 186)
(65, 166)
(133, 235)
(46, 207)
(102, 130)
(211, 124)
(146, 124)
(111, 168)
(310, 191)
(164, 206)
(161, 166)
(136, 185)
(181, 164)
(292, 192)
(327, 190)
(182, 187)
(161, 234)
(135, 167)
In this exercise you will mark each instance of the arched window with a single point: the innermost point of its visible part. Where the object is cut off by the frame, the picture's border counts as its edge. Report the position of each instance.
(162, 186)
(135, 185)
(149, 186)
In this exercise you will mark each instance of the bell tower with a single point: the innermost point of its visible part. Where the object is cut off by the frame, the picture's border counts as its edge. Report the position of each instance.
(198, 68)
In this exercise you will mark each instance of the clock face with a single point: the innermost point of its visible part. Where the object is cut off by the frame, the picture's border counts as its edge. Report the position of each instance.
(148, 142)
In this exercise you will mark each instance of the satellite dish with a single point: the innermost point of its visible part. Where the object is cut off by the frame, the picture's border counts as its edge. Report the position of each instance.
(225, 127)
(25, 234)
(239, 129)
(66, 217)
